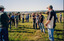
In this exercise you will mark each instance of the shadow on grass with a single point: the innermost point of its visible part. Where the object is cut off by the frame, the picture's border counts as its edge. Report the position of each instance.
(20, 31)
(59, 39)
(14, 40)
(59, 34)
(58, 30)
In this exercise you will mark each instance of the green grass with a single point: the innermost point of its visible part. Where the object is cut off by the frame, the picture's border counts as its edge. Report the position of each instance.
(25, 32)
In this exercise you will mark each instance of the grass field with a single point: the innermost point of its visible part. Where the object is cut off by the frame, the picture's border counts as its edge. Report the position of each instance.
(25, 32)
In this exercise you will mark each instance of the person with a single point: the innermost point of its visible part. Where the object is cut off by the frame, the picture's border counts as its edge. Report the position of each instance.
(4, 20)
(19, 16)
(16, 20)
(47, 14)
(57, 19)
(30, 15)
(51, 22)
(13, 18)
(60, 17)
(22, 18)
(10, 20)
(34, 20)
(41, 22)
(37, 20)
(27, 17)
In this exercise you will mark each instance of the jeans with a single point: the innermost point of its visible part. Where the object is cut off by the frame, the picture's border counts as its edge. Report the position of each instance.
(28, 20)
(13, 21)
(34, 24)
(41, 25)
(22, 20)
(16, 24)
(57, 20)
(50, 33)
(4, 34)
(60, 19)
(10, 24)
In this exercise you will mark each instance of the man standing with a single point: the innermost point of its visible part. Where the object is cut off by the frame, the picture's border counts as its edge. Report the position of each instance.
(27, 17)
(22, 18)
(13, 18)
(60, 17)
(4, 20)
(37, 19)
(41, 22)
(16, 20)
(10, 20)
(34, 20)
(19, 16)
(57, 18)
(51, 22)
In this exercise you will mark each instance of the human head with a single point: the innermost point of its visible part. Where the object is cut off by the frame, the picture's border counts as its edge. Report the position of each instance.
(13, 13)
(33, 13)
(16, 13)
(40, 13)
(9, 15)
(36, 14)
(50, 7)
(2, 8)
(47, 12)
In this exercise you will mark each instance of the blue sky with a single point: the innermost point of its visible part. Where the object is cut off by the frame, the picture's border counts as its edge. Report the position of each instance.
(31, 5)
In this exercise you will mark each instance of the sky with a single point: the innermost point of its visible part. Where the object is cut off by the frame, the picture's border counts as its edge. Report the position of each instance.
(31, 5)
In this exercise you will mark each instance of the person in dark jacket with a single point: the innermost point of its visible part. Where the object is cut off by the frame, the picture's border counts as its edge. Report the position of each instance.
(51, 22)
(4, 20)
(22, 18)
(13, 18)
(19, 16)
(34, 20)
(41, 22)
(10, 20)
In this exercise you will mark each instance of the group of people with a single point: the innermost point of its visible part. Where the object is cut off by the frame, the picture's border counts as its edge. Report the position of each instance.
(25, 18)
(14, 19)
(50, 23)
(38, 20)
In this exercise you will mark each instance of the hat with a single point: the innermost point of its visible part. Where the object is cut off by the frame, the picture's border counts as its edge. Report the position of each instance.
(2, 6)
(50, 6)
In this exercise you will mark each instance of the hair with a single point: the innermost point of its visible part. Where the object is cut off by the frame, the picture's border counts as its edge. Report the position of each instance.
(51, 7)
(18, 12)
(40, 13)
(9, 15)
